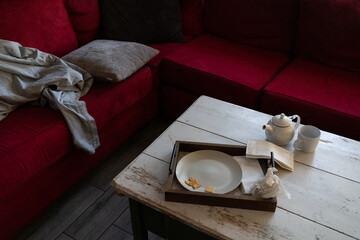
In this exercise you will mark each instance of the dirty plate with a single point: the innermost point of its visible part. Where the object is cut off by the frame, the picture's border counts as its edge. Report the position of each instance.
(211, 168)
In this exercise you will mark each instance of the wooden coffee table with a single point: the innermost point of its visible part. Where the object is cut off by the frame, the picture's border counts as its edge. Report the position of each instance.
(324, 186)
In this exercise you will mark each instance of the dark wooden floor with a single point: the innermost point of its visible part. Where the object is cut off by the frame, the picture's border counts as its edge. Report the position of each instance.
(91, 209)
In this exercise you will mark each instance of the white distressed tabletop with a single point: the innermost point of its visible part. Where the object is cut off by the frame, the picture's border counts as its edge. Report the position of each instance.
(325, 185)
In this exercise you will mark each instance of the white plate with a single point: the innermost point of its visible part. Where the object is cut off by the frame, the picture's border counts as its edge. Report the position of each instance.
(211, 168)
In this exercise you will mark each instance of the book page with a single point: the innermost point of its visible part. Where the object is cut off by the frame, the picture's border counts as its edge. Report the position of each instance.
(262, 149)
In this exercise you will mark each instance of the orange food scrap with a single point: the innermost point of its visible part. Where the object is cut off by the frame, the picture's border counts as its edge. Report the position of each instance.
(210, 189)
(193, 182)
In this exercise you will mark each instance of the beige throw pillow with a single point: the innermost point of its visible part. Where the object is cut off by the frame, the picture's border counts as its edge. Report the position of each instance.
(110, 60)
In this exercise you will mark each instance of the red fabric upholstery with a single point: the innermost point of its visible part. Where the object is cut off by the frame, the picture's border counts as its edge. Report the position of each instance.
(222, 69)
(50, 31)
(191, 17)
(175, 101)
(164, 50)
(32, 138)
(85, 19)
(20, 206)
(259, 23)
(328, 32)
(323, 96)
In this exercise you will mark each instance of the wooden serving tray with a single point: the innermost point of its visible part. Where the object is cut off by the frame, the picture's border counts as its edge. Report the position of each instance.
(175, 192)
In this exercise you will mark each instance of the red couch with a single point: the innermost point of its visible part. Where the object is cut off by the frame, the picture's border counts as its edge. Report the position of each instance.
(294, 56)
(37, 158)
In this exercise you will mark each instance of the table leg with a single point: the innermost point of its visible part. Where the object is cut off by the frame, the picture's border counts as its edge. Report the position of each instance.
(145, 218)
(139, 232)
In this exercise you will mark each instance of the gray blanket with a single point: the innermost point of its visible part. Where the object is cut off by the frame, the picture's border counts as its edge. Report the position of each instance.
(29, 75)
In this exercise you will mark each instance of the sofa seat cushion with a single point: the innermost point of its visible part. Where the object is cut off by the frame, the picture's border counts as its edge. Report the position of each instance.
(323, 96)
(222, 69)
(40, 24)
(32, 138)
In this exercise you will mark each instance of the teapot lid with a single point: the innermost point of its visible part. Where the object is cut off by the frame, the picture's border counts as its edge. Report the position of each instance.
(281, 120)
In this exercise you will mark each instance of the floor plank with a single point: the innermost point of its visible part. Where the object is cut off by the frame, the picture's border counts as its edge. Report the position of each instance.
(124, 221)
(115, 233)
(64, 237)
(59, 215)
(96, 219)
(67, 213)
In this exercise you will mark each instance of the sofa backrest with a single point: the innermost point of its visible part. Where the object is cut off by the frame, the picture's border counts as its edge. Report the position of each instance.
(191, 17)
(269, 24)
(329, 32)
(85, 19)
(41, 24)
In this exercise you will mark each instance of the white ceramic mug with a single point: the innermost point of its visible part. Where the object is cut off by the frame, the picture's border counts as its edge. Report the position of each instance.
(308, 139)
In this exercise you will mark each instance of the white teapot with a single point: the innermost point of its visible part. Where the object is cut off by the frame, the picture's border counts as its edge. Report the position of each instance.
(280, 129)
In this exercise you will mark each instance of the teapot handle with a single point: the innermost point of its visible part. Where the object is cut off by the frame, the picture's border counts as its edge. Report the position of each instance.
(297, 121)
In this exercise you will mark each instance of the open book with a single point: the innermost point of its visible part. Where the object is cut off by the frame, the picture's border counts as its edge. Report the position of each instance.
(262, 149)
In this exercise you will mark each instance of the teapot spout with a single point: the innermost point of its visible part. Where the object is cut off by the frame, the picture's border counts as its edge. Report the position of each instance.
(268, 127)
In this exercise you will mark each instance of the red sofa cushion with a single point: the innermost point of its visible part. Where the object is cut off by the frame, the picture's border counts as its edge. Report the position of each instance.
(222, 69)
(23, 204)
(85, 19)
(191, 17)
(323, 96)
(329, 32)
(32, 138)
(260, 23)
(50, 31)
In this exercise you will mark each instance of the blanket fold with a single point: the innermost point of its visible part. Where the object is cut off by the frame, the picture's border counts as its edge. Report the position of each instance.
(28, 75)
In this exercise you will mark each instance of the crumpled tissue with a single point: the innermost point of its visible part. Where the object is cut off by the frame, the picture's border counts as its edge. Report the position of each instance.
(270, 186)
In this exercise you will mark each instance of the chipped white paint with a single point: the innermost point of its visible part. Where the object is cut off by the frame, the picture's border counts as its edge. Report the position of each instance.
(145, 179)
(323, 205)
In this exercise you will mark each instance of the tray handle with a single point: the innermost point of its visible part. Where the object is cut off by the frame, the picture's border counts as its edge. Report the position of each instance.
(173, 155)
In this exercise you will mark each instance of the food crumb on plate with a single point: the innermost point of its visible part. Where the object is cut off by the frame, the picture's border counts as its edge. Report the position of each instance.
(210, 189)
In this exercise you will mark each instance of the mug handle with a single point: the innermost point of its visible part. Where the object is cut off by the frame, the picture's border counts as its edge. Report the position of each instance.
(297, 144)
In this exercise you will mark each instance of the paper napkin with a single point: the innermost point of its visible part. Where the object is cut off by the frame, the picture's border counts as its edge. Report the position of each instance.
(251, 173)
(262, 149)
